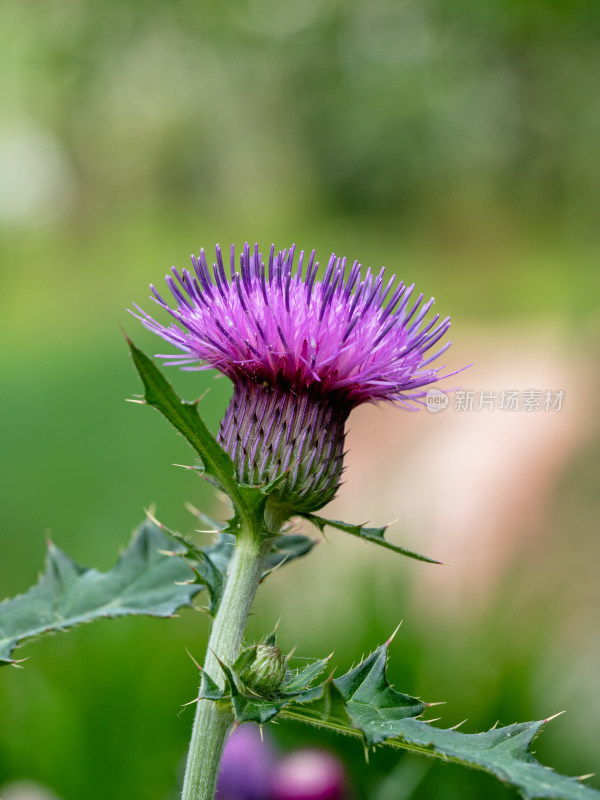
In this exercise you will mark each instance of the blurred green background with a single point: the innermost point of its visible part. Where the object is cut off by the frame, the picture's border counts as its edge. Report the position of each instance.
(455, 142)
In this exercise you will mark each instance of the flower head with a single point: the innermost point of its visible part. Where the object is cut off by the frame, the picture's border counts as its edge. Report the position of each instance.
(302, 352)
(350, 334)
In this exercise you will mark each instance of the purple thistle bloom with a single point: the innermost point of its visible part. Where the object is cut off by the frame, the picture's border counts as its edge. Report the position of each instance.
(247, 766)
(302, 353)
(309, 775)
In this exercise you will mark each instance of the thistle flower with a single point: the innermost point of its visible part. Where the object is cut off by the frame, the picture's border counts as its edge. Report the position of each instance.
(301, 352)
(309, 774)
(247, 765)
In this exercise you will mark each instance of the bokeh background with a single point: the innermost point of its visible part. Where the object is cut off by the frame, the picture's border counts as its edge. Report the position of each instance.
(455, 142)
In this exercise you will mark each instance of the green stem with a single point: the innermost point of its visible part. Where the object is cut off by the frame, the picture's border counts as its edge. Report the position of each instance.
(212, 721)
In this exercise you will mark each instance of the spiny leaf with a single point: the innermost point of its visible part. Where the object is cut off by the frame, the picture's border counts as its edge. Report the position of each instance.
(380, 715)
(144, 581)
(374, 706)
(248, 501)
(323, 706)
(362, 703)
(298, 680)
(376, 535)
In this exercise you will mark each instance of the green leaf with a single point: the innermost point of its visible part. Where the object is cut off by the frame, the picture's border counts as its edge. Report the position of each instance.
(144, 581)
(376, 535)
(362, 703)
(373, 705)
(248, 501)
(379, 715)
(323, 706)
(297, 680)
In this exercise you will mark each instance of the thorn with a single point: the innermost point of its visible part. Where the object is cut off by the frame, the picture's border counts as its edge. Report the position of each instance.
(438, 703)
(16, 662)
(150, 515)
(435, 719)
(456, 727)
(554, 716)
(189, 467)
(195, 662)
(136, 402)
(221, 663)
(391, 639)
(495, 725)
(184, 705)
(585, 777)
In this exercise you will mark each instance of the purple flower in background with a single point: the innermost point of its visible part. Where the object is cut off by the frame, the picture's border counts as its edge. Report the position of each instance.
(247, 766)
(309, 775)
(250, 770)
(302, 353)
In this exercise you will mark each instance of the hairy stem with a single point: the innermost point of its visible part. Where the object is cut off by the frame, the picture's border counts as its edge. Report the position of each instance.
(212, 721)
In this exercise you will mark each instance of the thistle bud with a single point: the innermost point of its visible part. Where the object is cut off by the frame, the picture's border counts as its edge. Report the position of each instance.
(264, 673)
